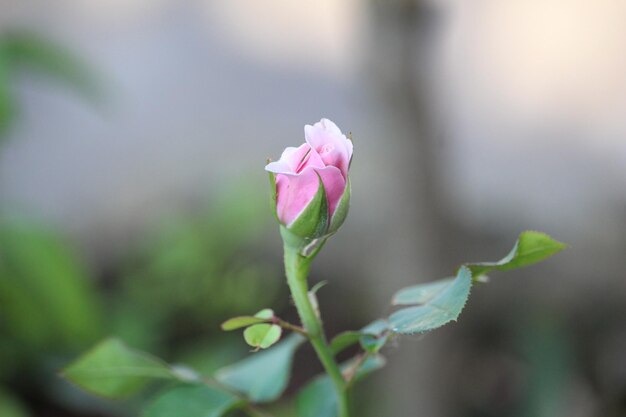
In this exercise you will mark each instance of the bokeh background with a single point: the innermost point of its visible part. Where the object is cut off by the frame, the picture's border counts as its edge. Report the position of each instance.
(134, 203)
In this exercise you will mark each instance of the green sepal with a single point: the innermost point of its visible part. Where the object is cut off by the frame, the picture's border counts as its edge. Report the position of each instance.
(341, 211)
(312, 222)
(273, 195)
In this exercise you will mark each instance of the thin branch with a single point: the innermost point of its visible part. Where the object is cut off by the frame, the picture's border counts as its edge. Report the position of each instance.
(288, 326)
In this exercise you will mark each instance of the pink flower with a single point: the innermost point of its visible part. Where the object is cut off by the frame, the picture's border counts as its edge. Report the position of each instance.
(326, 155)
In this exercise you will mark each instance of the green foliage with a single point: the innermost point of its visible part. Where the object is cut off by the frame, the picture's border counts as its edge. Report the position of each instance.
(212, 352)
(344, 340)
(443, 308)
(374, 343)
(265, 314)
(262, 335)
(263, 376)
(11, 407)
(113, 370)
(319, 399)
(421, 293)
(262, 316)
(200, 267)
(242, 321)
(192, 401)
(48, 299)
(440, 302)
(51, 308)
(372, 338)
(531, 247)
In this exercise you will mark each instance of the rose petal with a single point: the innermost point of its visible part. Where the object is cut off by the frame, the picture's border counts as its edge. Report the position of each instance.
(289, 160)
(294, 193)
(326, 153)
(335, 185)
(294, 160)
(332, 146)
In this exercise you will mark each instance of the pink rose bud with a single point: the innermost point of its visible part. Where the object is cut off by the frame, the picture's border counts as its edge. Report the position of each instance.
(312, 189)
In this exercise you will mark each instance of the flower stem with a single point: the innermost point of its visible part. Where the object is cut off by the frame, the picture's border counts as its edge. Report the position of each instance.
(297, 269)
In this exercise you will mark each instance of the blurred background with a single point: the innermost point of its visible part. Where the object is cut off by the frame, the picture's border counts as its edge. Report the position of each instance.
(133, 201)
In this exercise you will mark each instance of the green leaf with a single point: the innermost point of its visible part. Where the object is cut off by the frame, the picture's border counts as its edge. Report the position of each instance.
(318, 398)
(192, 401)
(441, 309)
(372, 337)
(531, 247)
(344, 340)
(49, 302)
(375, 336)
(376, 328)
(242, 321)
(113, 370)
(263, 316)
(371, 364)
(313, 221)
(441, 301)
(266, 313)
(420, 293)
(262, 335)
(341, 211)
(262, 376)
(373, 344)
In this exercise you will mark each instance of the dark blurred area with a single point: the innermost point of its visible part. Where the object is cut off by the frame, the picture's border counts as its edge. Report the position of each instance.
(133, 200)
